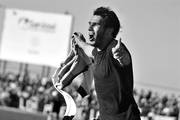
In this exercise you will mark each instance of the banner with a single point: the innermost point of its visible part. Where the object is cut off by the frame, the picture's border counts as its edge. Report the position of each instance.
(35, 37)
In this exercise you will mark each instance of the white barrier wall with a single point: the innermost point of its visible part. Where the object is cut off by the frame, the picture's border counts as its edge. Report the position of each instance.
(159, 117)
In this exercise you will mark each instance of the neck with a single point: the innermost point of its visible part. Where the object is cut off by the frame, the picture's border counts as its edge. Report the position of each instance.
(105, 43)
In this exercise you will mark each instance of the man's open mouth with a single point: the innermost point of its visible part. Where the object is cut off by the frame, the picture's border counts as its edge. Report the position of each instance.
(91, 36)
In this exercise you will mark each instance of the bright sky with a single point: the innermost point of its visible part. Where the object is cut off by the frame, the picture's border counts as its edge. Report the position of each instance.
(151, 31)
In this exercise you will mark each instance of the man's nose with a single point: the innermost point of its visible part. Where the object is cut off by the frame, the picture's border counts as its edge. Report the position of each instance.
(90, 28)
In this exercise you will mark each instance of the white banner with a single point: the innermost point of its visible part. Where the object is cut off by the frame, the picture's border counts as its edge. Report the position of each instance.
(35, 37)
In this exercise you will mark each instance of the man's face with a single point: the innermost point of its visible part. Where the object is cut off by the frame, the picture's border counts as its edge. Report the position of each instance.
(96, 30)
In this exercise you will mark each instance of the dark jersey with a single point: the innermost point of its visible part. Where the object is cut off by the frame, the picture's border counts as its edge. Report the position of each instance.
(114, 86)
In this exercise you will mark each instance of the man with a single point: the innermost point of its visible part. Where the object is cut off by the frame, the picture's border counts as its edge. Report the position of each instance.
(113, 73)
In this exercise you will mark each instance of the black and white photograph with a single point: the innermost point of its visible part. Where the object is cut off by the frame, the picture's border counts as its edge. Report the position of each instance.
(89, 60)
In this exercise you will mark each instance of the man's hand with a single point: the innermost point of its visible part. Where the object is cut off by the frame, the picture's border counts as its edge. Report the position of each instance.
(116, 51)
(78, 37)
(121, 54)
(59, 85)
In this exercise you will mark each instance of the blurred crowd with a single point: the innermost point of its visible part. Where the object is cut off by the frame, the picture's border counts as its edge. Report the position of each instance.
(38, 95)
(153, 103)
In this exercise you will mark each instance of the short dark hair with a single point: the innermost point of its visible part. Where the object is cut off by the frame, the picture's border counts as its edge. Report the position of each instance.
(112, 19)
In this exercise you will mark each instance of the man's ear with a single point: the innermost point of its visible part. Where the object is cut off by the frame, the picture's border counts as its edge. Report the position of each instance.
(110, 31)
